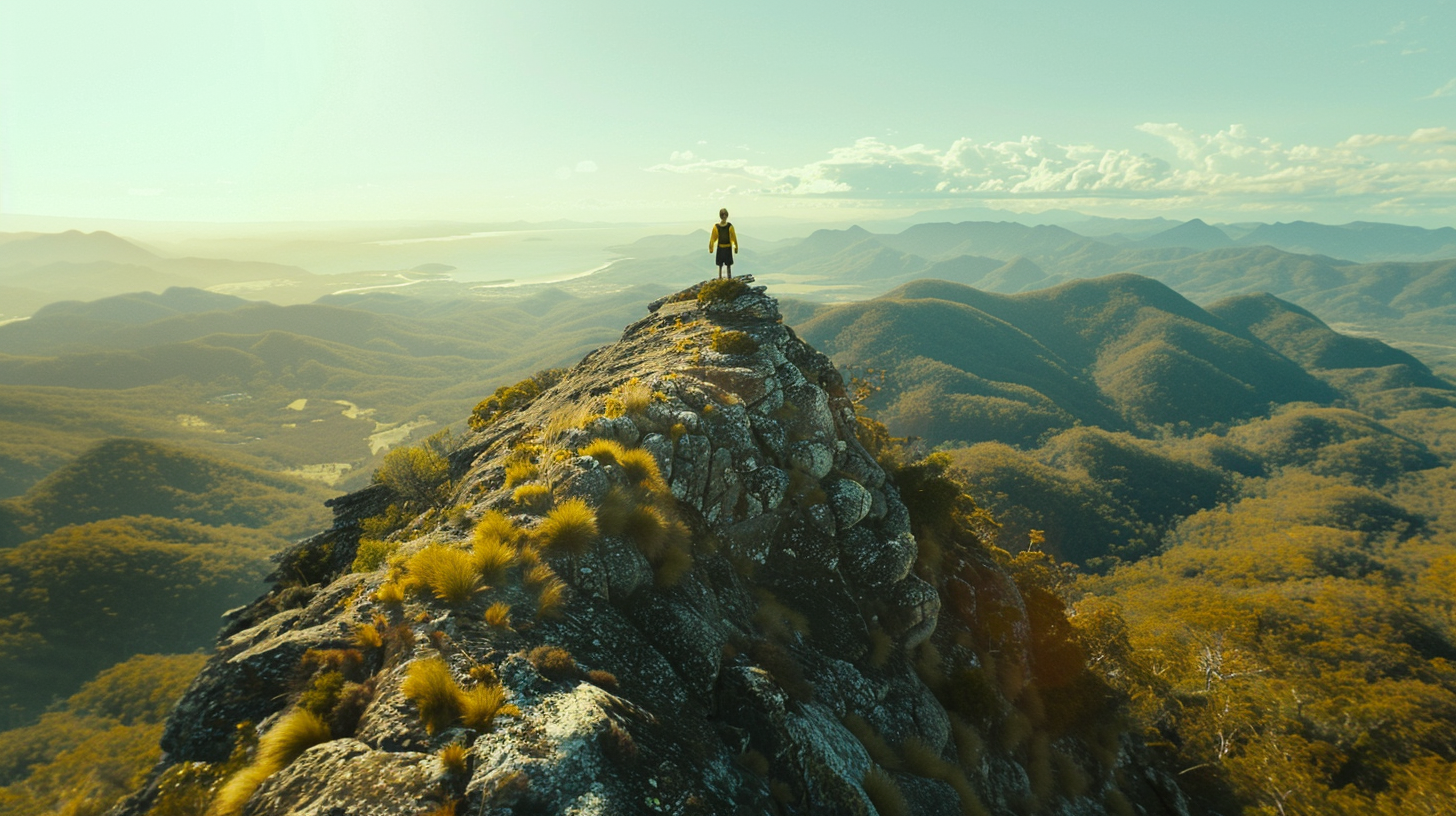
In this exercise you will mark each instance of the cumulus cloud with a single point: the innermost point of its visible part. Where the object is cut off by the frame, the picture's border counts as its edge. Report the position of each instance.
(1231, 162)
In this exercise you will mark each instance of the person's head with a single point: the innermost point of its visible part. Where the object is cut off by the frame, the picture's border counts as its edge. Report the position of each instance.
(723, 214)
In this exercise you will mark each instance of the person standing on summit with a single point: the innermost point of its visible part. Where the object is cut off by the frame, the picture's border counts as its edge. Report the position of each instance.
(726, 240)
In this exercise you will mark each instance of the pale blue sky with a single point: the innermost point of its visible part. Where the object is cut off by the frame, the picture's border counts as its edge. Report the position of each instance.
(659, 110)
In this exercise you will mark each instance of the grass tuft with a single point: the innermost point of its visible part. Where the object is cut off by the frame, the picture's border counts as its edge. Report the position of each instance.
(733, 342)
(646, 526)
(884, 793)
(552, 600)
(674, 565)
(480, 704)
(498, 526)
(640, 468)
(492, 556)
(431, 688)
(721, 290)
(446, 572)
(453, 759)
(554, 662)
(874, 744)
(296, 732)
(570, 526)
(499, 615)
(521, 472)
(604, 450)
(533, 497)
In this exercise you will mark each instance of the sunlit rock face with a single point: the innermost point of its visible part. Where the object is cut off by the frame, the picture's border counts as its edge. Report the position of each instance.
(741, 630)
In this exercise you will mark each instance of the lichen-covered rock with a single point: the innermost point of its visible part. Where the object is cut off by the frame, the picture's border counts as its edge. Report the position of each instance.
(746, 622)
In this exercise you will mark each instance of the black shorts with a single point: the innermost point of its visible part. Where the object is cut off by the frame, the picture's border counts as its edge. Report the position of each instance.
(725, 256)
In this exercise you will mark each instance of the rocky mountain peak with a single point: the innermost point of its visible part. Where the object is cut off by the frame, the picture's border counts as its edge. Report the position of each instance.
(672, 580)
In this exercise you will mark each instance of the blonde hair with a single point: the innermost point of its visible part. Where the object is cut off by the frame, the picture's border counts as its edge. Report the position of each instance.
(723, 213)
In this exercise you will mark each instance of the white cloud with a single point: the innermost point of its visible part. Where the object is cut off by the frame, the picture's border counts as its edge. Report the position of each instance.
(1232, 163)
(1445, 90)
(586, 166)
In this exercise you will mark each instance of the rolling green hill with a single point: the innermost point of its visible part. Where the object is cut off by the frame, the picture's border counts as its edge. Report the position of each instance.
(316, 389)
(1121, 353)
(131, 477)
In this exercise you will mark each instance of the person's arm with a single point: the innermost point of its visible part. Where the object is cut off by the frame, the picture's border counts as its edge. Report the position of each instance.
(712, 237)
(733, 237)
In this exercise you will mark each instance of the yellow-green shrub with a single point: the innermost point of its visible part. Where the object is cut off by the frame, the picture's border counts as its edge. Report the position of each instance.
(371, 553)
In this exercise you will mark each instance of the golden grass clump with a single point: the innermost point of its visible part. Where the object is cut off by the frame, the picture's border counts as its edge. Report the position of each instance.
(874, 744)
(539, 574)
(552, 600)
(721, 290)
(492, 556)
(389, 593)
(616, 506)
(453, 759)
(521, 472)
(603, 450)
(431, 688)
(884, 794)
(366, 636)
(480, 704)
(672, 567)
(499, 615)
(533, 497)
(603, 680)
(570, 526)
(732, 342)
(646, 526)
(640, 468)
(634, 395)
(569, 418)
(296, 732)
(497, 526)
(446, 572)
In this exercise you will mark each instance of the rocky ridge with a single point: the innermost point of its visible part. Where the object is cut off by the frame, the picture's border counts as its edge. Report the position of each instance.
(750, 626)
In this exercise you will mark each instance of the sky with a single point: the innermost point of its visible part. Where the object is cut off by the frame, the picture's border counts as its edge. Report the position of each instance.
(475, 110)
